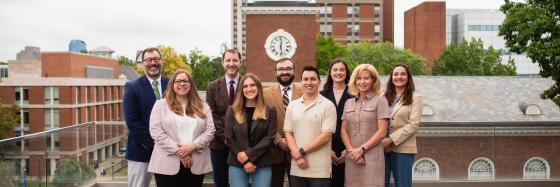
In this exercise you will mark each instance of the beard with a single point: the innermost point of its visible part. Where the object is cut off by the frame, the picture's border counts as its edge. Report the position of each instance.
(285, 82)
(154, 70)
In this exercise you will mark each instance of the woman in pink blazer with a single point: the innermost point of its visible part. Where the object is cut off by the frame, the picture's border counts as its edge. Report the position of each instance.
(182, 127)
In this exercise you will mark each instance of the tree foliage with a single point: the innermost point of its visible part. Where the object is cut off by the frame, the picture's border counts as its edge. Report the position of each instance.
(72, 172)
(327, 50)
(122, 60)
(205, 68)
(384, 57)
(171, 61)
(533, 26)
(470, 58)
(9, 118)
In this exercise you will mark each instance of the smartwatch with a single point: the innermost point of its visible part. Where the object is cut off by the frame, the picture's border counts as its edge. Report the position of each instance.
(301, 151)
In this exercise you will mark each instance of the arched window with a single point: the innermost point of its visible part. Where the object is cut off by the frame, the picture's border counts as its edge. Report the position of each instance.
(481, 168)
(536, 168)
(425, 169)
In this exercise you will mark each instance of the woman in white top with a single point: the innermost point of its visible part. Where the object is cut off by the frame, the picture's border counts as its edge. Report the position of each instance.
(182, 127)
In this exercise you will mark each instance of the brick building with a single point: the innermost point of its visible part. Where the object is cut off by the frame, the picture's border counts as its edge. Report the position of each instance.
(347, 21)
(63, 89)
(487, 128)
(424, 30)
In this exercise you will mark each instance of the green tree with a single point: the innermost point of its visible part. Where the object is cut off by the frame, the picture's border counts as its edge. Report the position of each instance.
(72, 172)
(205, 68)
(9, 118)
(6, 173)
(533, 27)
(327, 50)
(171, 61)
(470, 58)
(384, 57)
(122, 60)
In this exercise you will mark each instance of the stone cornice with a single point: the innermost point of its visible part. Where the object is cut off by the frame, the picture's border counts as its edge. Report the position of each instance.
(280, 10)
(488, 131)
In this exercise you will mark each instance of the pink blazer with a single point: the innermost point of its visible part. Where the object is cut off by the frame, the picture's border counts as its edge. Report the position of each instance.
(163, 130)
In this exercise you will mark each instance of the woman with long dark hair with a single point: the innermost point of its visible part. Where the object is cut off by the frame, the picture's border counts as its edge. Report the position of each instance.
(405, 107)
(249, 131)
(336, 90)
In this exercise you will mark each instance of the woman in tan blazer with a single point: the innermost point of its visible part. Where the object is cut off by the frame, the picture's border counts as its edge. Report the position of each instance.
(405, 107)
(250, 128)
(182, 127)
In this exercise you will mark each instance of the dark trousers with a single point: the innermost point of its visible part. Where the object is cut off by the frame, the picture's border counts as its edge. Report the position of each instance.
(337, 178)
(220, 167)
(278, 171)
(184, 178)
(309, 182)
(400, 164)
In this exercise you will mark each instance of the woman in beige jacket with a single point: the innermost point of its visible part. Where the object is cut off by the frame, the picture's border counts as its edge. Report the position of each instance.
(405, 108)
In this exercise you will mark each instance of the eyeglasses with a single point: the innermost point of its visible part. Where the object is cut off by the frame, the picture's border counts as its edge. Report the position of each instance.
(284, 69)
(155, 59)
(182, 82)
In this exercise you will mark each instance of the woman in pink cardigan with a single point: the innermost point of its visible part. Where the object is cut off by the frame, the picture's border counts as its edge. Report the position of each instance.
(182, 127)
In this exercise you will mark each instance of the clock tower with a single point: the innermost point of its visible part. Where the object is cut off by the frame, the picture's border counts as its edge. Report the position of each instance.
(278, 29)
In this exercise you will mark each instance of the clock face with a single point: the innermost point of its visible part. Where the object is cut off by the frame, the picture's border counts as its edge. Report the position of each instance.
(280, 44)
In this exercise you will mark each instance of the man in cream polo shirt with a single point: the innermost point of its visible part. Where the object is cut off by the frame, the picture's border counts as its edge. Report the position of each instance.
(309, 124)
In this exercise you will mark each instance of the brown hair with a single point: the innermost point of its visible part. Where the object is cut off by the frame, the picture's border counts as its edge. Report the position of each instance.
(194, 106)
(239, 102)
(235, 51)
(151, 49)
(391, 93)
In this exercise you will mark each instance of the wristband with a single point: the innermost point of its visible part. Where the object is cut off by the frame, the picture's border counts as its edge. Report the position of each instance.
(363, 149)
(246, 161)
(301, 151)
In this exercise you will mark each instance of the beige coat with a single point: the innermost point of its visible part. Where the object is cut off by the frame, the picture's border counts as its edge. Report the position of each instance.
(405, 120)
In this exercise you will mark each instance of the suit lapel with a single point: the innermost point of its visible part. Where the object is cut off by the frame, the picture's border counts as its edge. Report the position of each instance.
(145, 83)
(399, 104)
(278, 98)
(223, 91)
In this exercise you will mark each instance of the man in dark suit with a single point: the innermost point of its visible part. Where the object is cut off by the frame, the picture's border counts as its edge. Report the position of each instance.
(139, 98)
(220, 94)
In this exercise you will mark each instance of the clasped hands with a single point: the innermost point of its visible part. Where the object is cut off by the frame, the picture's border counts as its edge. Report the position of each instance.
(300, 160)
(248, 166)
(338, 160)
(184, 153)
(356, 155)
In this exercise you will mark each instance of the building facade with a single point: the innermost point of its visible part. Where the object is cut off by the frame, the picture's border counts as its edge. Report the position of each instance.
(424, 30)
(347, 21)
(61, 90)
(484, 24)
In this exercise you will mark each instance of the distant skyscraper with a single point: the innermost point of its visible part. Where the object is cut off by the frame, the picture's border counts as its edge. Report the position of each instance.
(30, 53)
(484, 24)
(77, 46)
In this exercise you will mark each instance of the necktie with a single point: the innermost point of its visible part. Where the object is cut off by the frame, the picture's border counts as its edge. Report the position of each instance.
(156, 90)
(231, 92)
(285, 98)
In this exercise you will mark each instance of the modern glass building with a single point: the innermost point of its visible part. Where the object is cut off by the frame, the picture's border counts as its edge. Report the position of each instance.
(77, 46)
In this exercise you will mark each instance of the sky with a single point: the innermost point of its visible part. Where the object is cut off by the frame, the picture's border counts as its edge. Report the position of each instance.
(130, 25)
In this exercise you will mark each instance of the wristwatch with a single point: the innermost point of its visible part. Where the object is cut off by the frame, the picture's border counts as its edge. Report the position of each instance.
(301, 151)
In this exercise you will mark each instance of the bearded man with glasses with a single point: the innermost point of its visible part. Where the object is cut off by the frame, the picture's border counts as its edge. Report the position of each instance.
(139, 98)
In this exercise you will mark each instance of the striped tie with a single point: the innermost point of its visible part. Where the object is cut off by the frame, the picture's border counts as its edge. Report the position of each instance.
(155, 88)
(285, 98)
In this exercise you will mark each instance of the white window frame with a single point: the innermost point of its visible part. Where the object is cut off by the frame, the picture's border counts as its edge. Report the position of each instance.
(415, 177)
(527, 176)
(493, 169)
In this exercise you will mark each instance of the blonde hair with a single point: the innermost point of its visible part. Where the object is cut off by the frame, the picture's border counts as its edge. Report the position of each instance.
(375, 85)
(194, 106)
(239, 102)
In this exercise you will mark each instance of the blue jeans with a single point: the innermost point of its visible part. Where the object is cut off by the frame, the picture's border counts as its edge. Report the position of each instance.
(401, 166)
(239, 178)
(220, 167)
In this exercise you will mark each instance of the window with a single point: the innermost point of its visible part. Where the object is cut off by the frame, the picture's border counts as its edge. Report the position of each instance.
(481, 168)
(356, 29)
(21, 95)
(425, 169)
(78, 95)
(356, 11)
(51, 95)
(536, 168)
(52, 118)
(25, 117)
(349, 10)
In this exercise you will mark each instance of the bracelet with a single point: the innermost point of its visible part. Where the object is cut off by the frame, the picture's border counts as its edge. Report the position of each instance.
(363, 149)
(246, 161)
